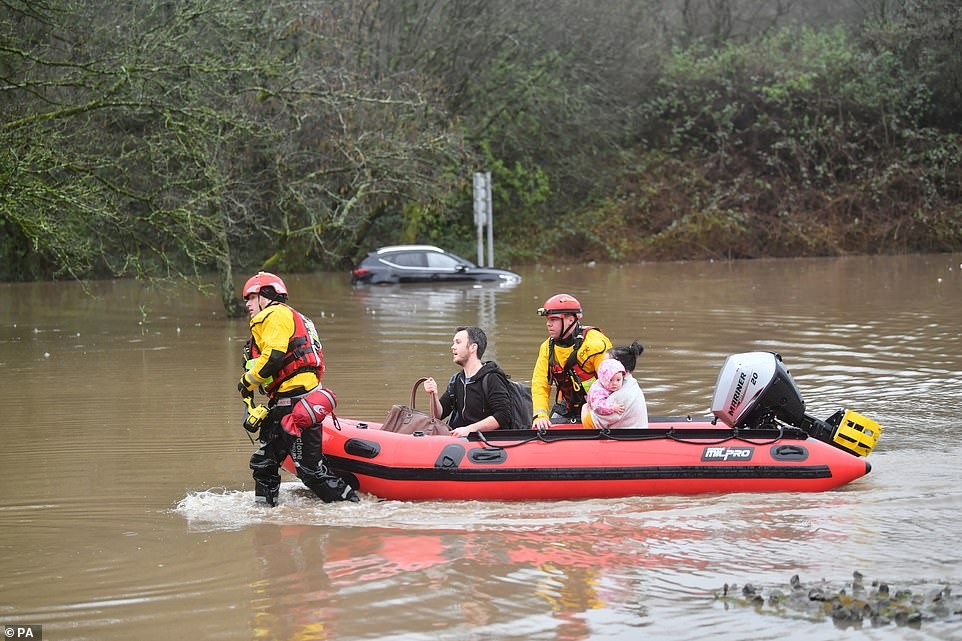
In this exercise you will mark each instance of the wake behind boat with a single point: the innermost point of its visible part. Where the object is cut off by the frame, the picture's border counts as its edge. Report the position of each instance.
(759, 439)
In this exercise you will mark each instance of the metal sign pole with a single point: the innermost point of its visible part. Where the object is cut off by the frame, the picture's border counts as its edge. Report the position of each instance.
(490, 211)
(479, 215)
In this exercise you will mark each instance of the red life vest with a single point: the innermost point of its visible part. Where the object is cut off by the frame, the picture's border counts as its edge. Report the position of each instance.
(303, 353)
(571, 376)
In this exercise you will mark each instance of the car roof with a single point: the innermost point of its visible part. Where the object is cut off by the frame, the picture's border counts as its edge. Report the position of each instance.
(396, 248)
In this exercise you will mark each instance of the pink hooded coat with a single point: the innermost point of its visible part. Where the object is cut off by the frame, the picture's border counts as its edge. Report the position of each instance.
(599, 392)
(630, 395)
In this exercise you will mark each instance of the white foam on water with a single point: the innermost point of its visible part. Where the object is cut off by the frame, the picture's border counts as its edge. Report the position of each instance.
(224, 509)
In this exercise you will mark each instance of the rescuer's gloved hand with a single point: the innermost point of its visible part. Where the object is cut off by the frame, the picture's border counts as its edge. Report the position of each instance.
(246, 386)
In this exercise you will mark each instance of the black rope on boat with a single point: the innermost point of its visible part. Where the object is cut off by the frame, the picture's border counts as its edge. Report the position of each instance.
(490, 446)
(679, 435)
(678, 439)
(538, 435)
(640, 436)
(597, 436)
(780, 429)
(670, 434)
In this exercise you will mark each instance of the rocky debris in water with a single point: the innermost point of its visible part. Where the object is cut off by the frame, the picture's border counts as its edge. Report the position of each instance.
(852, 604)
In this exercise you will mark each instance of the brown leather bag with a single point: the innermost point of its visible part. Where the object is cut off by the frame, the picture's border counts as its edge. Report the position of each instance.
(408, 420)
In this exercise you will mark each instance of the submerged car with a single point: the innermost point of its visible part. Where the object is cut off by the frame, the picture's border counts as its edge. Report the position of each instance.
(423, 263)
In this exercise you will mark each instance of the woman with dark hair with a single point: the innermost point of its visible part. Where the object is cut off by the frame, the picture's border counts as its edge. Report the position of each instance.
(628, 355)
(630, 396)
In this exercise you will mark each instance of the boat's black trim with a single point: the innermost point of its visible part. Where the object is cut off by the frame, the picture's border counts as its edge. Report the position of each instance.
(649, 472)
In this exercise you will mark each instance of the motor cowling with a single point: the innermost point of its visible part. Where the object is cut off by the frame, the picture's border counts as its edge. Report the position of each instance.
(755, 387)
(754, 390)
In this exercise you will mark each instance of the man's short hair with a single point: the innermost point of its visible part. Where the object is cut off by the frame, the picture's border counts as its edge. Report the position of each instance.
(477, 336)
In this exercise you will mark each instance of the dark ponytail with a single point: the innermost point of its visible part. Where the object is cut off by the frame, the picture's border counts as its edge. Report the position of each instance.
(628, 355)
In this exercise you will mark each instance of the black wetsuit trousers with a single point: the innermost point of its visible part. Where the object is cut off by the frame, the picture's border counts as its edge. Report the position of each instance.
(275, 445)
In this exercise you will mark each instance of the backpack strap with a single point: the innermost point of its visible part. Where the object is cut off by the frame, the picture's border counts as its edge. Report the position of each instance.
(484, 390)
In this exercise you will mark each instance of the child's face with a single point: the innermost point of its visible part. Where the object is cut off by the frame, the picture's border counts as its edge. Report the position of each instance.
(615, 383)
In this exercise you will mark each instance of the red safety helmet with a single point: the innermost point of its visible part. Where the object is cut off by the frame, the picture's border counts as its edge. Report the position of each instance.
(263, 279)
(559, 305)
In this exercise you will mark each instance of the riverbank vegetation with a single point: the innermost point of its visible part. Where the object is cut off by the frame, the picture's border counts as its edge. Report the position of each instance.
(169, 140)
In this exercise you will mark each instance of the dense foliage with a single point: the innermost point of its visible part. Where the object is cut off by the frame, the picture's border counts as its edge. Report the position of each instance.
(798, 143)
(168, 140)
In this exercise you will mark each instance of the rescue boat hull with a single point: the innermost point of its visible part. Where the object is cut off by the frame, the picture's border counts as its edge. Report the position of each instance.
(673, 457)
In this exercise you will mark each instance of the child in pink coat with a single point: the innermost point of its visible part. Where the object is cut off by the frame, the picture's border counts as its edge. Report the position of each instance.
(611, 375)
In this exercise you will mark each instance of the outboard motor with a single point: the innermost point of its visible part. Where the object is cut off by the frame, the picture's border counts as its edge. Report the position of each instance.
(754, 390)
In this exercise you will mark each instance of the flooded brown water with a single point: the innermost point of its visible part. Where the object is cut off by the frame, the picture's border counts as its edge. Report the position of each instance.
(127, 506)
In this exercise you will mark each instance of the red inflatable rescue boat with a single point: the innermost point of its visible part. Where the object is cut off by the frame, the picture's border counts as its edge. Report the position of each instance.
(759, 440)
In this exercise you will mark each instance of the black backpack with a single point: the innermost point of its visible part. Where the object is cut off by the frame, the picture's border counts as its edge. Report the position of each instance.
(522, 407)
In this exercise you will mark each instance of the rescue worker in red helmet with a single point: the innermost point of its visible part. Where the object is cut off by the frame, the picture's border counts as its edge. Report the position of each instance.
(285, 361)
(567, 360)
